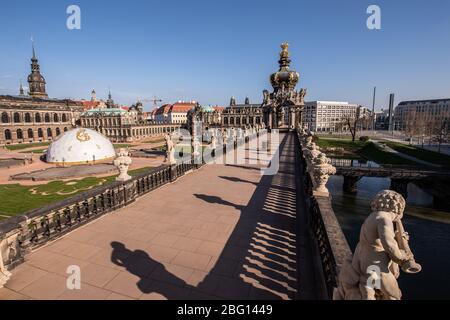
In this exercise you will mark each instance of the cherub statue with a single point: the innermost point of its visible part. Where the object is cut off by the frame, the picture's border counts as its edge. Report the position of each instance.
(383, 246)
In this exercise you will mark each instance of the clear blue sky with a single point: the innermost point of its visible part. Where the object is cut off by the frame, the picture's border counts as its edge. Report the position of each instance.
(210, 50)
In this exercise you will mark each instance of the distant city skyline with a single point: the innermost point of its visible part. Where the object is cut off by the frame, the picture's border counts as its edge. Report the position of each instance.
(209, 51)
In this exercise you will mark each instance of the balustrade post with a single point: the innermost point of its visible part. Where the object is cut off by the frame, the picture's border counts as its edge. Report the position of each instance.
(173, 172)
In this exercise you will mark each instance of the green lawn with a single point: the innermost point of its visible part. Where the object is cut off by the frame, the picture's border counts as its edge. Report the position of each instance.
(35, 151)
(346, 144)
(26, 145)
(122, 145)
(17, 199)
(367, 150)
(426, 155)
(373, 152)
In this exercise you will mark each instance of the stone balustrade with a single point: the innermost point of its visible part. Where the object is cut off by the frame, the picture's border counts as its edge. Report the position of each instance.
(21, 234)
(331, 243)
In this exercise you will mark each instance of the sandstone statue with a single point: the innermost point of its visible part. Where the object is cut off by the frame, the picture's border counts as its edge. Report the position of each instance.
(170, 150)
(383, 247)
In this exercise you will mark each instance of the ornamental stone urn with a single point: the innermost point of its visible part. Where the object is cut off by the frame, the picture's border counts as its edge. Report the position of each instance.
(311, 153)
(321, 171)
(122, 162)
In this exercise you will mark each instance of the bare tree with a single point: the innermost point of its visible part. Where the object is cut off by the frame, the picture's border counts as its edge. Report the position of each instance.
(352, 122)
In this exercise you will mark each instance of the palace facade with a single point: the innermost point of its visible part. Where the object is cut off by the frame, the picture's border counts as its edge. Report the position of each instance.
(121, 125)
(241, 115)
(34, 117)
(282, 109)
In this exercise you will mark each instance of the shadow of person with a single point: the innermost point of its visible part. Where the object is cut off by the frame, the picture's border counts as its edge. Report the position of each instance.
(217, 200)
(140, 264)
(235, 179)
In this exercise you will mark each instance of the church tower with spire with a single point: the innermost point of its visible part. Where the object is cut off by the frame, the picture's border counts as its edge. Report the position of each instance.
(36, 81)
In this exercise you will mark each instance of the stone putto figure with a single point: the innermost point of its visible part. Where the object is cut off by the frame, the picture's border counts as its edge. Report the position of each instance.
(373, 271)
(122, 162)
(170, 150)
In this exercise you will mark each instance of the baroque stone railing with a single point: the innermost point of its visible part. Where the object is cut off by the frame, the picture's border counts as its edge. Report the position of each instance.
(331, 243)
(24, 233)
(21, 234)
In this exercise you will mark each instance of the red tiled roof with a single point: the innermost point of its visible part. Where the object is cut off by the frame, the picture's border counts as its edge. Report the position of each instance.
(163, 109)
(88, 104)
(176, 107)
(181, 107)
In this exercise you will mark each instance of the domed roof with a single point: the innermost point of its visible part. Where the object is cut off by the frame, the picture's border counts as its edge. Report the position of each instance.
(80, 146)
(284, 77)
(208, 109)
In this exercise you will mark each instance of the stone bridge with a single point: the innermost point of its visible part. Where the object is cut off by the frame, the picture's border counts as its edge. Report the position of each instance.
(185, 231)
(400, 175)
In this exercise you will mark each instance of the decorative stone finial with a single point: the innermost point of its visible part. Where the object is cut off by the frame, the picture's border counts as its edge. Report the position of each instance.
(321, 171)
(122, 162)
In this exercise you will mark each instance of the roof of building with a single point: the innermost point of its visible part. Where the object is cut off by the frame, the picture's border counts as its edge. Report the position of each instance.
(251, 105)
(37, 99)
(343, 103)
(424, 101)
(180, 107)
(104, 111)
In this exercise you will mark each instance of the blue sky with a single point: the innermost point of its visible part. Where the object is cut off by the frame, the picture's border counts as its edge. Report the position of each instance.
(211, 50)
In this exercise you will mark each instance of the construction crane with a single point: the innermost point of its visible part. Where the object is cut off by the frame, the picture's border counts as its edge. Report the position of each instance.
(155, 101)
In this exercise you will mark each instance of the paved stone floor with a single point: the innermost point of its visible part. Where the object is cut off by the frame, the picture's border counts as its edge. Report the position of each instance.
(222, 232)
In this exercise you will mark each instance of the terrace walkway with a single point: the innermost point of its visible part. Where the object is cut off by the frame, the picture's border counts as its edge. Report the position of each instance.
(224, 231)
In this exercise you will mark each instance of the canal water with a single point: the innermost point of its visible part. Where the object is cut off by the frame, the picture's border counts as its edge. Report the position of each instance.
(429, 240)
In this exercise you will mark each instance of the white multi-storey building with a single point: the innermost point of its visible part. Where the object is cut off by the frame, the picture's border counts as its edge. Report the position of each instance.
(328, 116)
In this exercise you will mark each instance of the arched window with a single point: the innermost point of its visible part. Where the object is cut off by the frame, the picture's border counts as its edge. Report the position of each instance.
(58, 131)
(8, 134)
(47, 117)
(49, 132)
(65, 129)
(55, 118)
(30, 133)
(40, 133)
(27, 117)
(16, 117)
(5, 117)
(19, 134)
(64, 118)
(37, 117)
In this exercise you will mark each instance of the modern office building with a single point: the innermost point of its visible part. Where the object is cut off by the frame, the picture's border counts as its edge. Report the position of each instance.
(329, 116)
